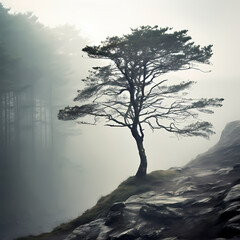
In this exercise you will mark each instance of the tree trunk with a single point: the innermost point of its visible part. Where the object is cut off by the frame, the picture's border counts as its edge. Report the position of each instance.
(142, 169)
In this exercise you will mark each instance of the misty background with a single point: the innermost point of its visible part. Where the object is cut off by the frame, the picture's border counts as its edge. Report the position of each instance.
(51, 171)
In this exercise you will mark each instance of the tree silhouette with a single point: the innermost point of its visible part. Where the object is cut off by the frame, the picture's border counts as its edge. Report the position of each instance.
(132, 93)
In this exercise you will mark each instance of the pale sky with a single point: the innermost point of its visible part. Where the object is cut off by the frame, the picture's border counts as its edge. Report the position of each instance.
(214, 22)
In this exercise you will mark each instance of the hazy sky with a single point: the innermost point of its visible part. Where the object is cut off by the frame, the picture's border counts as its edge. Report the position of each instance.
(214, 22)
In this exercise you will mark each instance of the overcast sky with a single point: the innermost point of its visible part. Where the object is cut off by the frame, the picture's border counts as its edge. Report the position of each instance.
(214, 22)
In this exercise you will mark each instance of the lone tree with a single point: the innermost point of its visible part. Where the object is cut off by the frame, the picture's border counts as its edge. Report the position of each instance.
(130, 92)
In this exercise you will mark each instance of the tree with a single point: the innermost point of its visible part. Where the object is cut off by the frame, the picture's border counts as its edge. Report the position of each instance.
(131, 93)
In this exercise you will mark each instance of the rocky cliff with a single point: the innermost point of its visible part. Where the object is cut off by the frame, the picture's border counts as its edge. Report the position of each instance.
(200, 201)
(225, 153)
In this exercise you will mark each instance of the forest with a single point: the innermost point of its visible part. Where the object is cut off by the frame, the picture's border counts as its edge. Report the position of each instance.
(36, 67)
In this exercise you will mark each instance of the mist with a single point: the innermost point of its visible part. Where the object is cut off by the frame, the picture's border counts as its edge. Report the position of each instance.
(51, 171)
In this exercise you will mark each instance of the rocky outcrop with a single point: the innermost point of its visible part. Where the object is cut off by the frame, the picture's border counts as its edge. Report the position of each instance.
(225, 153)
(202, 202)
(203, 205)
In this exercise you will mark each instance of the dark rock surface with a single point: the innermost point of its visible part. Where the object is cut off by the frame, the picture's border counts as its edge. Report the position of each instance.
(202, 202)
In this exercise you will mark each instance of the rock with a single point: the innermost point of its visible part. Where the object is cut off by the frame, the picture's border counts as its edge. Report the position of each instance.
(152, 198)
(235, 219)
(170, 238)
(93, 230)
(233, 194)
(230, 211)
(230, 231)
(183, 179)
(114, 218)
(164, 215)
(204, 173)
(206, 211)
(185, 189)
(230, 135)
(148, 233)
(117, 206)
(236, 167)
(140, 198)
(224, 171)
(115, 214)
(124, 235)
(203, 201)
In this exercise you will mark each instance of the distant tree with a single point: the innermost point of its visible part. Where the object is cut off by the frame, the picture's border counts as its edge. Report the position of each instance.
(131, 93)
(32, 66)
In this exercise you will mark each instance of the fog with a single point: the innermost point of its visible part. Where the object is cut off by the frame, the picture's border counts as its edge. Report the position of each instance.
(51, 171)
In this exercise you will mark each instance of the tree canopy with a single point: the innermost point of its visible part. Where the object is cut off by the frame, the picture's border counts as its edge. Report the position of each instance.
(131, 91)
